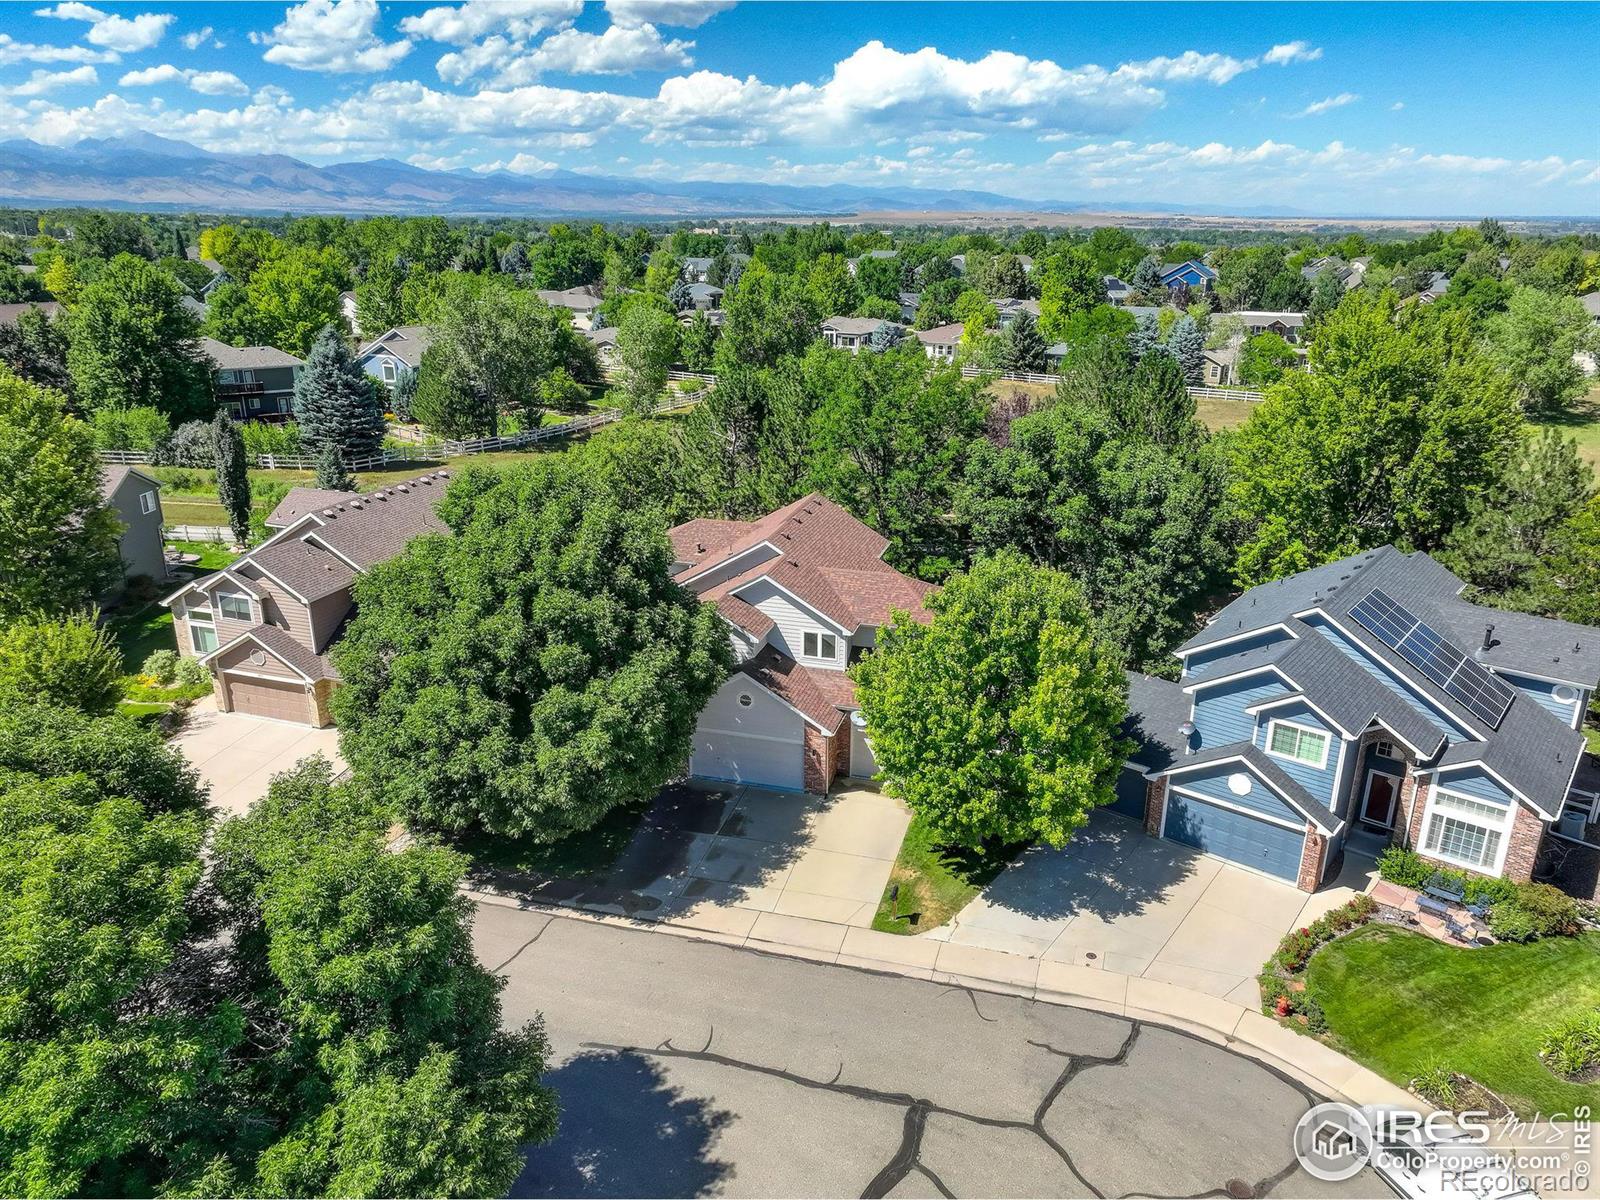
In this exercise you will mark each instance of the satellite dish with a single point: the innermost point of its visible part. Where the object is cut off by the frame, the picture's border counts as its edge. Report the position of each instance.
(858, 719)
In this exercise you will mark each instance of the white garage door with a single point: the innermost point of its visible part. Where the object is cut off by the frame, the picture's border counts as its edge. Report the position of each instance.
(741, 758)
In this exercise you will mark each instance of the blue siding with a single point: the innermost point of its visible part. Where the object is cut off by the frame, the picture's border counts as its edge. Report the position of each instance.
(1130, 794)
(1542, 693)
(1212, 782)
(1319, 782)
(1254, 642)
(1384, 676)
(1234, 836)
(1474, 782)
(1219, 716)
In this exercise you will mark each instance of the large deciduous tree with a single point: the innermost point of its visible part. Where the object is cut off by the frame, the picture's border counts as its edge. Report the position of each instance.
(997, 722)
(1535, 342)
(647, 346)
(69, 661)
(58, 540)
(335, 400)
(533, 668)
(132, 344)
(745, 446)
(1395, 435)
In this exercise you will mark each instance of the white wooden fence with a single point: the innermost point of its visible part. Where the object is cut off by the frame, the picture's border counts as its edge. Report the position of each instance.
(433, 448)
(197, 533)
(1211, 393)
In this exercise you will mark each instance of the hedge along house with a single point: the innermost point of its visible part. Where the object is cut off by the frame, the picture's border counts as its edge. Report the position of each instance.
(803, 591)
(265, 623)
(1360, 704)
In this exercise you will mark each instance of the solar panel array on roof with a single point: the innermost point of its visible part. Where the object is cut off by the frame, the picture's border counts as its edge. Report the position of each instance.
(1479, 692)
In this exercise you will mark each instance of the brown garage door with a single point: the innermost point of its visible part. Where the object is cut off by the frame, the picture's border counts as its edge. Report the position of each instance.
(267, 698)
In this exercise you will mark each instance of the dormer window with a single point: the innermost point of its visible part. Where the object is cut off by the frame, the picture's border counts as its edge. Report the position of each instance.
(234, 606)
(821, 645)
(1298, 742)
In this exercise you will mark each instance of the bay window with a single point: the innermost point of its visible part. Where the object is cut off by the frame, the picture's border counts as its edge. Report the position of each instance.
(1467, 832)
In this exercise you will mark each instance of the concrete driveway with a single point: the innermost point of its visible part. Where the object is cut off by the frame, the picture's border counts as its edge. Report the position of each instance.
(1120, 900)
(745, 860)
(237, 755)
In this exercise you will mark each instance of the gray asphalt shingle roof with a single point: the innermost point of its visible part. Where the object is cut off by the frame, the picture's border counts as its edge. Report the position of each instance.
(1156, 707)
(1268, 771)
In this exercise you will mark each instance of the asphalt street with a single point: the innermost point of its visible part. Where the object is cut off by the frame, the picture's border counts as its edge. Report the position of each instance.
(688, 1068)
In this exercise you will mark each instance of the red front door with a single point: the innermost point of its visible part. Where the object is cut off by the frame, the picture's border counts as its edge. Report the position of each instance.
(1382, 791)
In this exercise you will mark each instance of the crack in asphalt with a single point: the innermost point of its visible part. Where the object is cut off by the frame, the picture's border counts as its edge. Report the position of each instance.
(518, 951)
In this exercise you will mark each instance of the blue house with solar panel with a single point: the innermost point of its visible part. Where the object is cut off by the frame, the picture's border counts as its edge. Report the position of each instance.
(1192, 274)
(1363, 703)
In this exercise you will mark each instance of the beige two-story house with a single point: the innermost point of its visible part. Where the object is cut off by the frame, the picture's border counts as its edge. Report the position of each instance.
(264, 624)
(804, 591)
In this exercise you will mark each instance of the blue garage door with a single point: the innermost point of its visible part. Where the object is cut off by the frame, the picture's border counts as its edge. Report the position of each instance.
(1234, 836)
(1130, 794)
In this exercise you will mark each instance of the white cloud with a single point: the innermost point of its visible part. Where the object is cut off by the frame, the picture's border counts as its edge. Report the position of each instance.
(1328, 104)
(1397, 106)
(335, 36)
(521, 164)
(1292, 52)
(494, 53)
(41, 82)
(197, 38)
(1187, 67)
(620, 50)
(125, 35)
(684, 14)
(465, 23)
(13, 51)
(207, 83)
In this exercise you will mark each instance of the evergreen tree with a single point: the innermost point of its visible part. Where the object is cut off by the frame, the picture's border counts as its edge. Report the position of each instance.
(1146, 281)
(885, 337)
(1024, 347)
(1188, 346)
(233, 479)
(334, 400)
(331, 473)
(1146, 336)
(403, 395)
(514, 260)
(1326, 292)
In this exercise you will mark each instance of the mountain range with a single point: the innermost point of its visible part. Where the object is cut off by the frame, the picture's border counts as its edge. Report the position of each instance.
(151, 172)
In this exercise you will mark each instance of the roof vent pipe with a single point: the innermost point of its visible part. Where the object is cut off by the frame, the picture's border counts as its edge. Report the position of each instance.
(1488, 635)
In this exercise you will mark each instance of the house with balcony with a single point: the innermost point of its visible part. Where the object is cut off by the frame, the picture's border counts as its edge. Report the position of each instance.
(1365, 703)
(803, 592)
(255, 383)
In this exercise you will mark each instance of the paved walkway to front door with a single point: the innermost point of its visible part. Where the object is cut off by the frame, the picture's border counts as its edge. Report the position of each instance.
(1120, 900)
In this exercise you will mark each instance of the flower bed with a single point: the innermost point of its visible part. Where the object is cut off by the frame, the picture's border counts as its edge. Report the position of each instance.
(1283, 989)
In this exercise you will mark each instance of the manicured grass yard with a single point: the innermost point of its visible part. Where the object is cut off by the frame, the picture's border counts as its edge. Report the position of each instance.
(1400, 1003)
(141, 632)
(1582, 424)
(936, 881)
(1224, 414)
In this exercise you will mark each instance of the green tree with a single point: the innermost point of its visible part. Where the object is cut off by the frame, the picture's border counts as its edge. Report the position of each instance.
(504, 340)
(233, 476)
(448, 401)
(1326, 292)
(379, 296)
(229, 317)
(641, 463)
(378, 1064)
(335, 401)
(1393, 437)
(1069, 283)
(1510, 532)
(34, 346)
(332, 475)
(58, 540)
(67, 661)
(1187, 345)
(1568, 580)
(295, 295)
(131, 343)
(647, 346)
(769, 317)
(1534, 341)
(890, 435)
(1264, 359)
(831, 286)
(1023, 348)
(532, 669)
(699, 343)
(745, 448)
(560, 392)
(997, 722)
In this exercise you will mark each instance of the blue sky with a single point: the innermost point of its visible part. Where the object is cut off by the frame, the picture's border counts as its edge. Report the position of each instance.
(1338, 108)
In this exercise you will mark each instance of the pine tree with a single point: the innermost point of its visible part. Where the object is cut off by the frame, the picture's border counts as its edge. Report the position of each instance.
(233, 479)
(403, 395)
(1024, 346)
(1146, 281)
(334, 400)
(1188, 346)
(1146, 336)
(331, 473)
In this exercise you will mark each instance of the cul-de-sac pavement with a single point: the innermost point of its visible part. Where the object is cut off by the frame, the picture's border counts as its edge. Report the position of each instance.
(691, 1068)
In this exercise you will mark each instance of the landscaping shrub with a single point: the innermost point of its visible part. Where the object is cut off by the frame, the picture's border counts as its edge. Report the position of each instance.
(190, 672)
(1571, 1047)
(189, 445)
(161, 667)
(129, 428)
(1534, 910)
(1299, 944)
(1437, 1085)
(68, 661)
(262, 438)
(1404, 867)
(1409, 869)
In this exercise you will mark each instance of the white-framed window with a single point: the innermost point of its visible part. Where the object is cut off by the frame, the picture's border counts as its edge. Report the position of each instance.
(1385, 750)
(1301, 743)
(147, 502)
(1467, 832)
(388, 371)
(234, 606)
(821, 645)
(202, 630)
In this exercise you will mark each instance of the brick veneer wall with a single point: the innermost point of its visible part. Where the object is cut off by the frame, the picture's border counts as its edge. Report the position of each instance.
(841, 749)
(1311, 856)
(321, 691)
(1527, 832)
(818, 766)
(1155, 805)
(1413, 803)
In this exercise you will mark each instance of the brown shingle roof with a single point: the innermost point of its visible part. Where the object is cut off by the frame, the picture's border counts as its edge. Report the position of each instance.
(701, 538)
(310, 571)
(297, 502)
(10, 312)
(283, 645)
(797, 685)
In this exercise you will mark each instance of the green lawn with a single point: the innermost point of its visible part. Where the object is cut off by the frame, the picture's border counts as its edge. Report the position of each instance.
(140, 632)
(213, 555)
(1582, 423)
(1401, 1003)
(935, 881)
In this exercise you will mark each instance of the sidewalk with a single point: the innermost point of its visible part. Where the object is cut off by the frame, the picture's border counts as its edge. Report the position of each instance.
(1245, 1030)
